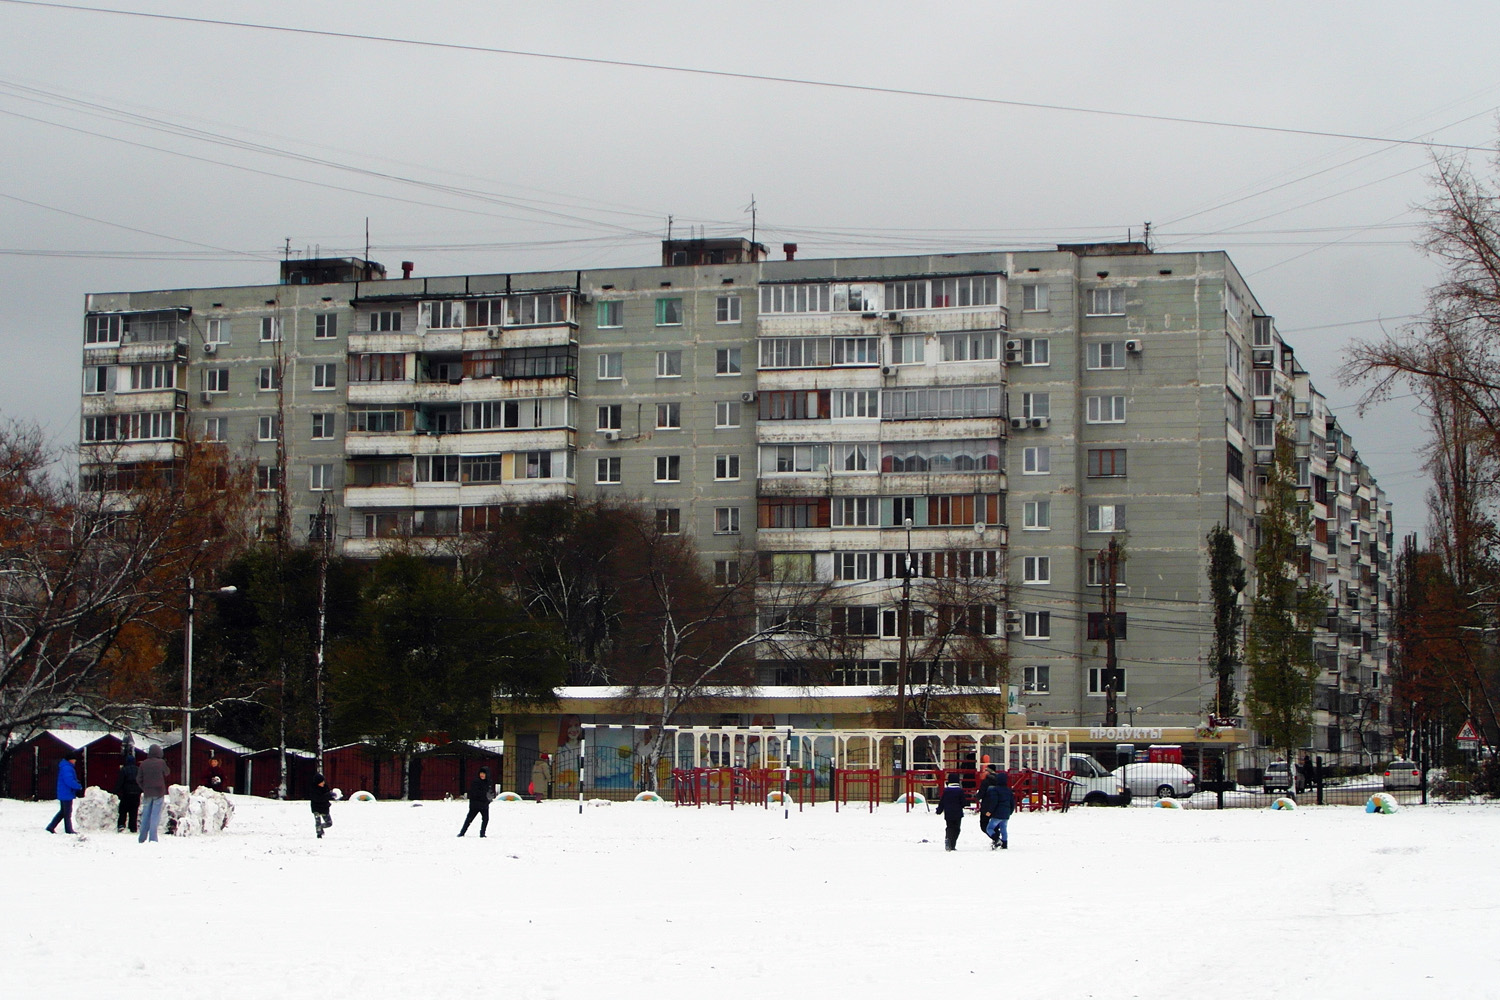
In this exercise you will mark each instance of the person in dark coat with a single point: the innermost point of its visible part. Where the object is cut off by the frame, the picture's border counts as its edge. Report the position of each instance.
(481, 791)
(999, 803)
(951, 807)
(322, 804)
(68, 789)
(128, 788)
(153, 778)
(214, 779)
(984, 786)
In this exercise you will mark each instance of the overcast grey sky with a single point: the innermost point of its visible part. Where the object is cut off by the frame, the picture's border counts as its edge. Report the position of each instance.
(148, 152)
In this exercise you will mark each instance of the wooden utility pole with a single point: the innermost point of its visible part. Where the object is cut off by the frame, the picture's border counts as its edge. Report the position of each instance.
(1110, 559)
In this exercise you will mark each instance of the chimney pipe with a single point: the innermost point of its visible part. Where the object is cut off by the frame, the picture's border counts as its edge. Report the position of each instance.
(406, 268)
(790, 249)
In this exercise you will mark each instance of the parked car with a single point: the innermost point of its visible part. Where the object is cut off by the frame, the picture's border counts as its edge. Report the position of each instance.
(1401, 774)
(1093, 785)
(1283, 777)
(1157, 778)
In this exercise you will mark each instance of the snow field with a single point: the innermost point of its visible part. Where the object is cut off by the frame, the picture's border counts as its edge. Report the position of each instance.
(646, 900)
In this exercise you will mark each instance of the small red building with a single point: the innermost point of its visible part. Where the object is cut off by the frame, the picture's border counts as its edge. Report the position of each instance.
(205, 746)
(32, 770)
(362, 767)
(447, 770)
(262, 770)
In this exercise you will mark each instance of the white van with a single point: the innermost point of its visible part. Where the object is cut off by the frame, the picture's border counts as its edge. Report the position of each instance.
(1093, 785)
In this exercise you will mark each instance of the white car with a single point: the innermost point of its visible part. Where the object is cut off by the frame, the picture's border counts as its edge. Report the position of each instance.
(1160, 779)
(1092, 784)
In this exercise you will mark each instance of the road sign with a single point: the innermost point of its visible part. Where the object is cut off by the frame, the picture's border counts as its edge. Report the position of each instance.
(1468, 734)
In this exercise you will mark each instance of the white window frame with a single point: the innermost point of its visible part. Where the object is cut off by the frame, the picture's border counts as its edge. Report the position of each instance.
(266, 427)
(610, 314)
(607, 470)
(727, 309)
(320, 477)
(1104, 409)
(270, 329)
(669, 364)
(611, 366)
(1036, 679)
(1105, 517)
(727, 413)
(1036, 515)
(1105, 355)
(728, 362)
(1096, 682)
(668, 469)
(215, 428)
(610, 417)
(326, 326)
(216, 331)
(726, 468)
(1036, 404)
(1034, 298)
(1036, 352)
(266, 380)
(669, 416)
(726, 520)
(216, 380)
(1036, 625)
(1106, 301)
(1036, 460)
(1036, 570)
(325, 376)
(328, 421)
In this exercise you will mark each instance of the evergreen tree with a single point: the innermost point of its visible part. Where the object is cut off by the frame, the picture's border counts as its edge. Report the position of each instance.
(1226, 581)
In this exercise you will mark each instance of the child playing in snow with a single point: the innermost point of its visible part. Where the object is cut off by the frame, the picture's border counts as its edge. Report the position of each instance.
(999, 802)
(322, 803)
(951, 808)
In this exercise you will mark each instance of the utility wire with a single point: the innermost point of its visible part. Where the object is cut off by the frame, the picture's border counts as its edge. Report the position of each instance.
(755, 77)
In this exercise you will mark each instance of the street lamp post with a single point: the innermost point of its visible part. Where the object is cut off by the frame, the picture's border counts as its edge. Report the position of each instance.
(903, 625)
(187, 681)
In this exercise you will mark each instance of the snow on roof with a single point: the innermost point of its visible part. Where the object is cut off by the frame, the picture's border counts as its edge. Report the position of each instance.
(222, 742)
(809, 692)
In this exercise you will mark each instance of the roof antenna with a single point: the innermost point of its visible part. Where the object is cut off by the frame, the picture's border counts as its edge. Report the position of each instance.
(1146, 235)
(669, 229)
(367, 239)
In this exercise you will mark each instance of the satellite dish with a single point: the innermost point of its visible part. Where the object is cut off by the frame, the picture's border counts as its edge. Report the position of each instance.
(979, 528)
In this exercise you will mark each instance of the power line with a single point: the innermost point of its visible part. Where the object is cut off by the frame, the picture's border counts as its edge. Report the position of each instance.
(755, 77)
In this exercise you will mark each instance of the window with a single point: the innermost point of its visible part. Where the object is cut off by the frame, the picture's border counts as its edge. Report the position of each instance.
(793, 513)
(796, 352)
(1037, 569)
(926, 404)
(1033, 298)
(727, 309)
(325, 376)
(726, 467)
(1106, 302)
(726, 520)
(1104, 462)
(322, 426)
(538, 464)
(100, 428)
(964, 455)
(800, 404)
(906, 294)
(856, 350)
(268, 379)
(102, 330)
(1036, 461)
(267, 478)
(668, 468)
(216, 380)
(378, 421)
(1263, 381)
(537, 309)
(856, 457)
(215, 428)
(270, 329)
(325, 326)
(669, 416)
(320, 476)
(1036, 514)
(608, 470)
(1096, 571)
(96, 379)
(794, 458)
(908, 349)
(266, 428)
(969, 346)
(726, 572)
(962, 292)
(1036, 625)
(610, 366)
(1234, 410)
(861, 620)
(855, 403)
(668, 312)
(1036, 680)
(1263, 433)
(727, 414)
(385, 321)
(216, 331)
(668, 520)
(795, 298)
(1036, 404)
(147, 377)
(727, 361)
(1098, 680)
(445, 315)
(1105, 410)
(1235, 466)
(610, 314)
(668, 364)
(1106, 517)
(438, 469)
(1098, 627)
(856, 512)
(1036, 351)
(609, 417)
(1109, 354)
(890, 623)
(855, 566)
(377, 367)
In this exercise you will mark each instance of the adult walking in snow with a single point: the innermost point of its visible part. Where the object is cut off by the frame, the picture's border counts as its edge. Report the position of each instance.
(999, 802)
(481, 792)
(322, 804)
(984, 786)
(153, 780)
(541, 778)
(128, 788)
(68, 789)
(951, 807)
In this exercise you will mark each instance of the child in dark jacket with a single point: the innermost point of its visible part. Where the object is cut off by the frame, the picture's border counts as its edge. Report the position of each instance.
(322, 804)
(951, 807)
(999, 803)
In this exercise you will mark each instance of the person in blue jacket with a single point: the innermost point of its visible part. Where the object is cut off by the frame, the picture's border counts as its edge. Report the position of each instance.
(999, 803)
(951, 807)
(68, 789)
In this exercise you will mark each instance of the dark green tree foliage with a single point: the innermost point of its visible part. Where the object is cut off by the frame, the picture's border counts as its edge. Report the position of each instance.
(1226, 581)
(1283, 670)
(428, 655)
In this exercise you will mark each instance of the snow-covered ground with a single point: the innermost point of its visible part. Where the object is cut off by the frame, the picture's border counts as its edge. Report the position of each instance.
(640, 900)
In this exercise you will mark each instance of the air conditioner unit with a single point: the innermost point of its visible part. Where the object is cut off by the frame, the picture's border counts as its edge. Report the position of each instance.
(1013, 345)
(1132, 347)
(1013, 627)
(205, 398)
(1013, 616)
(894, 316)
(611, 435)
(1019, 423)
(1040, 422)
(747, 397)
(887, 370)
(492, 332)
(869, 315)
(210, 348)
